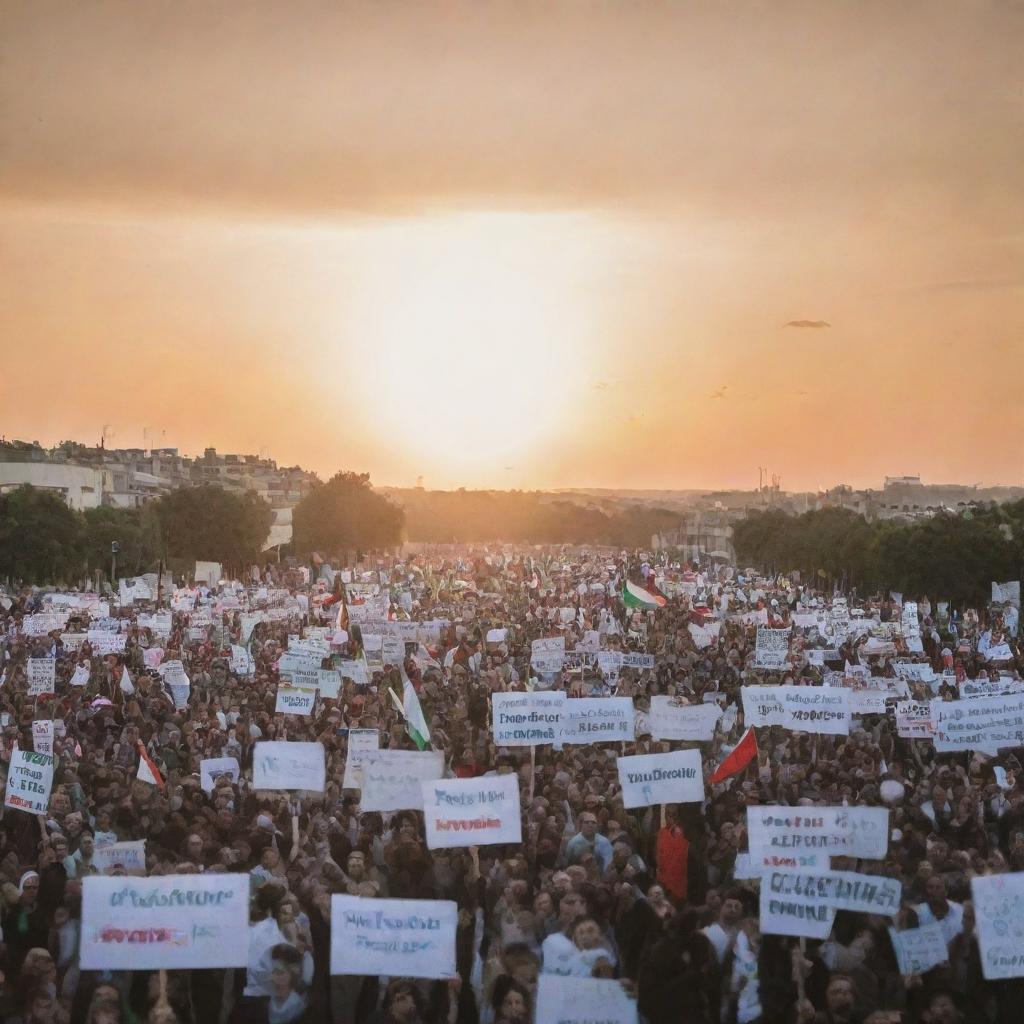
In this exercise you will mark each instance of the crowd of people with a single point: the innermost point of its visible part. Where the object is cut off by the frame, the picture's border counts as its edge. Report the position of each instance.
(659, 899)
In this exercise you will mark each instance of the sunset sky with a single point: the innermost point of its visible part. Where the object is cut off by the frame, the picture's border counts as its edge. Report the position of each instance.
(521, 245)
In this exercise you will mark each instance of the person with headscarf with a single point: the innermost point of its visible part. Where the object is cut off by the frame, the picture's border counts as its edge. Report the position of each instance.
(25, 924)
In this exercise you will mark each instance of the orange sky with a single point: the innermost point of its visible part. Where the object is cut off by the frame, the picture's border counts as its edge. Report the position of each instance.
(521, 245)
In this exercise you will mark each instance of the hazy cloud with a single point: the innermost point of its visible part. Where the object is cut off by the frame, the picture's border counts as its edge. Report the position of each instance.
(808, 323)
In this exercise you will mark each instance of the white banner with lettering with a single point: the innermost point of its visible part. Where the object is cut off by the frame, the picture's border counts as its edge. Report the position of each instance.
(472, 812)
(672, 778)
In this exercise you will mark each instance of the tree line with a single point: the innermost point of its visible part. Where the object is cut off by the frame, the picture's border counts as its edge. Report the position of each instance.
(949, 556)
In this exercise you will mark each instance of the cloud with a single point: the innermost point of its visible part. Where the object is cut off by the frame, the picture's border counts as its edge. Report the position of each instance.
(808, 323)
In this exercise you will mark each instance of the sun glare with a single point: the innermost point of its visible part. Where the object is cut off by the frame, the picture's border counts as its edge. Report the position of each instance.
(470, 338)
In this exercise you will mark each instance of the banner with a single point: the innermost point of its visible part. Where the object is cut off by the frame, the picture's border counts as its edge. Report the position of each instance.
(762, 706)
(397, 938)
(360, 743)
(283, 765)
(180, 922)
(526, 719)
(130, 856)
(29, 781)
(661, 778)
(472, 812)
(42, 676)
(999, 913)
(567, 1000)
(919, 949)
(799, 837)
(673, 719)
(392, 778)
(982, 723)
(772, 648)
(294, 701)
(597, 720)
(212, 769)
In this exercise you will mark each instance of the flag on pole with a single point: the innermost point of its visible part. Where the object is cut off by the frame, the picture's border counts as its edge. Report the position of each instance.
(636, 596)
(148, 771)
(409, 708)
(127, 687)
(742, 754)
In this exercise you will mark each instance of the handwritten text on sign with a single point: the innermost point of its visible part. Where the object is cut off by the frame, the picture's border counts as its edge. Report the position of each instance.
(672, 720)
(999, 912)
(526, 719)
(284, 765)
(177, 922)
(472, 812)
(407, 938)
(661, 778)
(392, 779)
(29, 781)
(983, 723)
(293, 701)
(799, 837)
(597, 720)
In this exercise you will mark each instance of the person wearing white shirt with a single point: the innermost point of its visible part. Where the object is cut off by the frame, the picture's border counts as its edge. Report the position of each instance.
(936, 909)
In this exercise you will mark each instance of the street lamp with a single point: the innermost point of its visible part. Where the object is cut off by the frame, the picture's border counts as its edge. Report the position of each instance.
(114, 548)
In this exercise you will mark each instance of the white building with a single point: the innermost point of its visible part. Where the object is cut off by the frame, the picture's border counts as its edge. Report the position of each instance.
(80, 487)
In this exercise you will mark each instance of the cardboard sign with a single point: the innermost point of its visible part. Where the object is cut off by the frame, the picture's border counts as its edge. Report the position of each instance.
(284, 765)
(392, 778)
(526, 719)
(294, 701)
(780, 915)
(42, 676)
(130, 856)
(839, 890)
(999, 912)
(212, 769)
(597, 720)
(472, 812)
(674, 719)
(919, 949)
(982, 723)
(661, 778)
(178, 922)
(568, 1000)
(328, 683)
(398, 938)
(29, 781)
(914, 719)
(42, 736)
(805, 837)
(772, 648)
(360, 743)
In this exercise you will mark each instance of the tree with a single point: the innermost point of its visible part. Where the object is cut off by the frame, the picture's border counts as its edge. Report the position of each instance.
(40, 537)
(344, 514)
(211, 524)
(135, 530)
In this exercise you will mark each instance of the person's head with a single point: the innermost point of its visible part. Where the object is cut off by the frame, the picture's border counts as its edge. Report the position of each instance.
(543, 905)
(521, 964)
(194, 848)
(510, 1000)
(59, 845)
(87, 845)
(402, 1002)
(935, 891)
(28, 887)
(731, 912)
(586, 932)
(356, 865)
(840, 997)
(588, 825)
(286, 968)
(570, 906)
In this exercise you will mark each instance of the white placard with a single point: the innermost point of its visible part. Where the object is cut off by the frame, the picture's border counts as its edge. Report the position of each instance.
(805, 837)
(42, 736)
(526, 719)
(840, 890)
(130, 856)
(328, 682)
(1006, 593)
(674, 719)
(982, 723)
(780, 915)
(919, 949)
(291, 700)
(179, 922)
(472, 812)
(392, 778)
(241, 661)
(29, 781)
(914, 719)
(80, 677)
(42, 676)
(597, 720)
(563, 999)
(999, 913)
(762, 706)
(360, 743)
(397, 938)
(211, 769)
(671, 778)
(284, 765)
(772, 648)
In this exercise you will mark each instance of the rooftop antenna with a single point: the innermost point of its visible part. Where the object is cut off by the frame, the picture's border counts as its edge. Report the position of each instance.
(108, 431)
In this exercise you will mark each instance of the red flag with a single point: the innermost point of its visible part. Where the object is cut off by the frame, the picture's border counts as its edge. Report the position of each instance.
(148, 771)
(743, 753)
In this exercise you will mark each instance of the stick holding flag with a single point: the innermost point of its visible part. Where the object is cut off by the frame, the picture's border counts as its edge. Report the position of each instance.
(742, 754)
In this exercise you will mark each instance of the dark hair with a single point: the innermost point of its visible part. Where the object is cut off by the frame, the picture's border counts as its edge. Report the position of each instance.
(502, 986)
